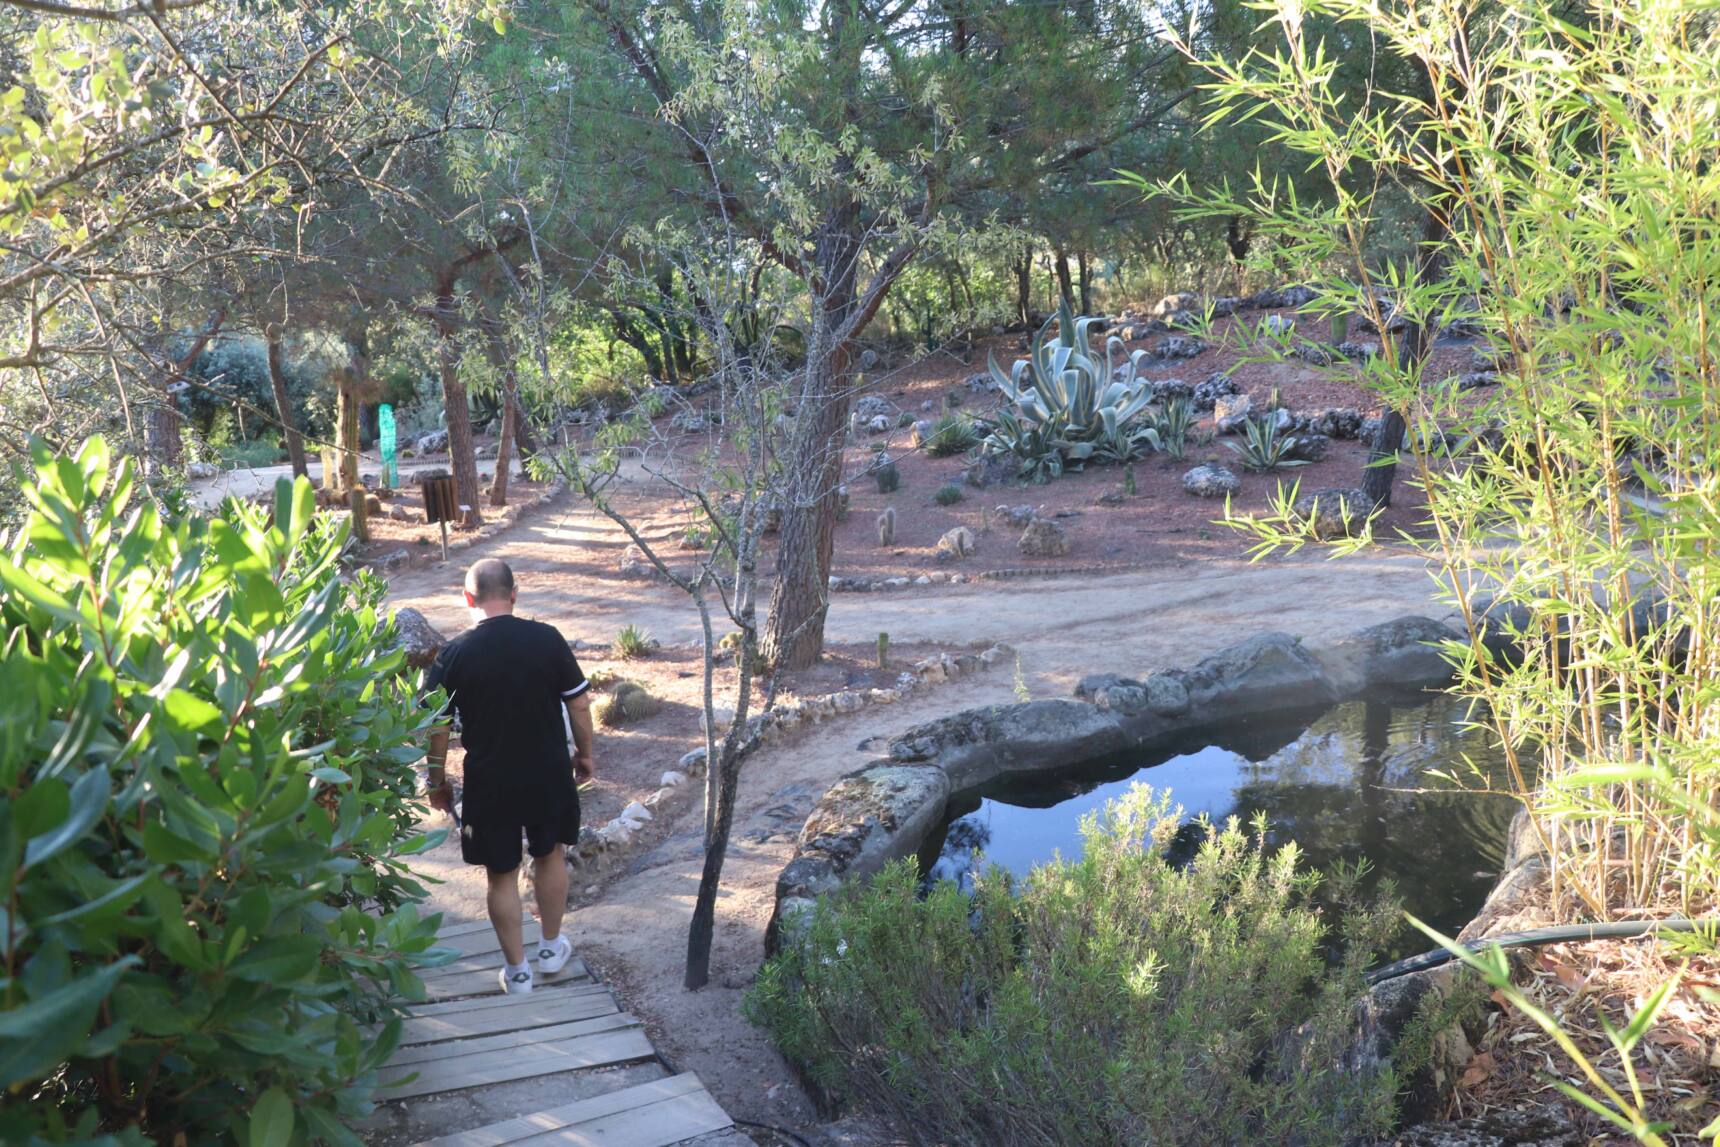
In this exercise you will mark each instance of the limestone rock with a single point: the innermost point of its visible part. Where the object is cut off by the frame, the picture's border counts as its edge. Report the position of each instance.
(1213, 387)
(1333, 513)
(1016, 517)
(202, 470)
(1333, 422)
(956, 544)
(989, 470)
(1211, 481)
(399, 513)
(673, 779)
(1179, 346)
(878, 425)
(1166, 389)
(1279, 326)
(421, 640)
(1043, 539)
(435, 442)
(1268, 671)
(1231, 413)
(870, 406)
(1532, 1127)
(1402, 653)
(1181, 303)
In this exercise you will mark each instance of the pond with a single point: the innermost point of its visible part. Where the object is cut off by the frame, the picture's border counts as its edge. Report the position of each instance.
(1351, 782)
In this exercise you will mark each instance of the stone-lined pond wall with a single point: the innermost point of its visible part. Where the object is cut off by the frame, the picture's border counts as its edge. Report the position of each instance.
(889, 808)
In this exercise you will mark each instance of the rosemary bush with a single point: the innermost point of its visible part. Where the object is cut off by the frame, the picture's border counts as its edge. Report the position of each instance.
(1567, 167)
(1110, 1000)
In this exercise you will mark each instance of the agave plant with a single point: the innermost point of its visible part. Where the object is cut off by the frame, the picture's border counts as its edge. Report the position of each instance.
(1172, 421)
(1263, 448)
(1067, 394)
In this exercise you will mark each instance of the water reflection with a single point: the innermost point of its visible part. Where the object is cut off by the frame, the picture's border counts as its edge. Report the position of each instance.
(1348, 783)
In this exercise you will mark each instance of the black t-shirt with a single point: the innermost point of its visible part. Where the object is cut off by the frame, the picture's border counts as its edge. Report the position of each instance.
(508, 678)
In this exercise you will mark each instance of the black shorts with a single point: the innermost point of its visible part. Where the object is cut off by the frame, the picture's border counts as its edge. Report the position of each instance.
(494, 842)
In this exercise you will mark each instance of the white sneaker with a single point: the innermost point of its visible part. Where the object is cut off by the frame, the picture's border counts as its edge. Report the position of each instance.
(517, 983)
(552, 955)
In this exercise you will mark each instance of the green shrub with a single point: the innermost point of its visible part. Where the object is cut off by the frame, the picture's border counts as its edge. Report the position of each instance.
(948, 494)
(952, 434)
(633, 642)
(1111, 1000)
(264, 450)
(206, 801)
(627, 702)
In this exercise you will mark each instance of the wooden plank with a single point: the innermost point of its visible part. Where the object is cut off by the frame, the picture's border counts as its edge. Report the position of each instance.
(497, 999)
(549, 1033)
(571, 1114)
(515, 1063)
(482, 941)
(450, 930)
(565, 1008)
(482, 979)
(492, 963)
(656, 1125)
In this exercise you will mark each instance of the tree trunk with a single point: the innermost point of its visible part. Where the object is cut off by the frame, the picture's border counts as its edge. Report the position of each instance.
(346, 436)
(794, 634)
(701, 931)
(163, 441)
(1086, 282)
(458, 415)
(503, 363)
(1414, 343)
(1024, 289)
(1065, 287)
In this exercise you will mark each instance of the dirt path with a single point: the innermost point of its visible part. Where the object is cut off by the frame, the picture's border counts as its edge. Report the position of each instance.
(1061, 628)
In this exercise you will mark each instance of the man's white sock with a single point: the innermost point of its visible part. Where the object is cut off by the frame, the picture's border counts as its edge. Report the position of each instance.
(513, 969)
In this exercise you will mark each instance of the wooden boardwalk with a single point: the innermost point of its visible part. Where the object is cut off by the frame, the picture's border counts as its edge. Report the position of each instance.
(469, 1035)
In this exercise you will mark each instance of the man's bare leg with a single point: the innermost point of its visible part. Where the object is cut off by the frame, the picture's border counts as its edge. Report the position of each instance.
(550, 879)
(505, 912)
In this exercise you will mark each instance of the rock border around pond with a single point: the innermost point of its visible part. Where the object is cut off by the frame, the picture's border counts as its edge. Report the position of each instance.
(889, 808)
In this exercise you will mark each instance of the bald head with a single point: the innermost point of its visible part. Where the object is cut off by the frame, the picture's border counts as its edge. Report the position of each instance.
(489, 582)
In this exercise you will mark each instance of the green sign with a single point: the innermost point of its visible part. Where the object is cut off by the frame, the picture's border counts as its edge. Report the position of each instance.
(390, 456)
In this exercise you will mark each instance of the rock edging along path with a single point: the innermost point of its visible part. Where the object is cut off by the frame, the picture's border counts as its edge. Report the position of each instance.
(560, 1065)
(887, 809)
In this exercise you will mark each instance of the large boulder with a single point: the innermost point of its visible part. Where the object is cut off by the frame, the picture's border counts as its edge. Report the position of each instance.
(434, 442)
(1179, 346)
(1339, 512)
(1213, 387)
(1043, 538)
(873, 816)
(1211, 480)
(1268, 671)
(956, 544)
(1395, 654)
(1231, 413)
(421, 640)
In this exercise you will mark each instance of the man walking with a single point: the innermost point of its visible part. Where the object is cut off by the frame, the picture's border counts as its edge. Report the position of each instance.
(510, 680)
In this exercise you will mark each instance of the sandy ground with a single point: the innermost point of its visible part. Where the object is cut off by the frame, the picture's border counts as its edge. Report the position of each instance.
(633, 932)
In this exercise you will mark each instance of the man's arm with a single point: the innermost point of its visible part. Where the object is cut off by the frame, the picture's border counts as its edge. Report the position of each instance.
(579, 716)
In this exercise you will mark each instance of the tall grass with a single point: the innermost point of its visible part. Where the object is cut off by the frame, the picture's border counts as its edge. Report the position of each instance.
(1569, 167)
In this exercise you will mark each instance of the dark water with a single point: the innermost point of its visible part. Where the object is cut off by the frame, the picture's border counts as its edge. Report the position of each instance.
(1348, 783)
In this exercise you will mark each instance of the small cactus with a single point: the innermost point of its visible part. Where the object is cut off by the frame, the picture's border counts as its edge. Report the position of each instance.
(1129, 480)
(883, 651)
(627, 702)
(887, 526)
(888, 476)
